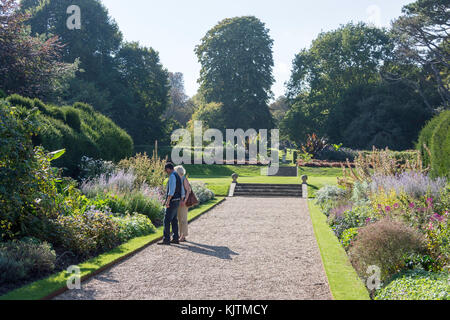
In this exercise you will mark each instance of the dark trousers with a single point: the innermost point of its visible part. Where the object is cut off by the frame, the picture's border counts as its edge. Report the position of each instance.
(171, 217)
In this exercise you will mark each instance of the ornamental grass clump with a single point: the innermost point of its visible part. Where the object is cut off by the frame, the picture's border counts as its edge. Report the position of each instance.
(385, 244)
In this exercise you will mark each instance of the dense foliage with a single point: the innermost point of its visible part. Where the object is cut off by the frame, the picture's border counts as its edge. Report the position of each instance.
(30, 65)
(78, 129)
(434, 144)
(124, 81)
(336, 90)
(236, 58)
(393, 215)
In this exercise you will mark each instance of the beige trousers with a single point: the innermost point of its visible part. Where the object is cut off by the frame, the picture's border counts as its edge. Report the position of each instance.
(183, 221)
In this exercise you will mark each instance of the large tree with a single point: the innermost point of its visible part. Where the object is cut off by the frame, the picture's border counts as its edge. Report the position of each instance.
(94, 44)
(29, 65)
(422, 38)
(336, 90)
(141, 93)
(179, 109)
(237, 62)
(337, 60)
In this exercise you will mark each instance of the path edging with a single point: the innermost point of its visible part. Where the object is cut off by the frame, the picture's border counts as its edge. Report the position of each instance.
(343, 280)
(17, 294)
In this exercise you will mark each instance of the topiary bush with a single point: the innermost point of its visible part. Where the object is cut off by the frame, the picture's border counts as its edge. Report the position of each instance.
(2, 94)
(440, 147)
(78, 129)
(73, 118)
(434, 144)
(385, 244)
(18, 100)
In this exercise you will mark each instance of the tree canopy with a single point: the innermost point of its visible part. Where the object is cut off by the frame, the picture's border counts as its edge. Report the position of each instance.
(237, 61)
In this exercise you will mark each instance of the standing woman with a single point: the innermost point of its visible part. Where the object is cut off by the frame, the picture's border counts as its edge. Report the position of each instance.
(183, 209)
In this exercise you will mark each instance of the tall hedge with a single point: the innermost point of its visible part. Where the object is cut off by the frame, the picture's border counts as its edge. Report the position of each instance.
(436, 137)
(80, 130)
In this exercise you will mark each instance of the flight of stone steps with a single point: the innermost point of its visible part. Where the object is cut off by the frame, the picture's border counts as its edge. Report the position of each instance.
(268, 190)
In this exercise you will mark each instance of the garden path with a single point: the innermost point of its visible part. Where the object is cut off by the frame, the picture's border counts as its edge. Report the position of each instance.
(245, 248)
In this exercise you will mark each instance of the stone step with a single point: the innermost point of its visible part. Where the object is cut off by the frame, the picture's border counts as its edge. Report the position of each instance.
(267, 195)
(280, 186)
(268, 190)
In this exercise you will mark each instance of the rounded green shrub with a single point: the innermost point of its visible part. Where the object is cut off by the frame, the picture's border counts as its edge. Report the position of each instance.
(2, 94)
(73, 119)
(434, 144)
(17, 100)
(41, 106)
(440, 147)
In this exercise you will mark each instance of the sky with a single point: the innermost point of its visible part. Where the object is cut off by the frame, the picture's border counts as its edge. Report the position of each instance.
(174, 28)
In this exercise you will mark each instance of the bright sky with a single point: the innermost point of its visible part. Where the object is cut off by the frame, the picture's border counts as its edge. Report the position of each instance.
(175, 27)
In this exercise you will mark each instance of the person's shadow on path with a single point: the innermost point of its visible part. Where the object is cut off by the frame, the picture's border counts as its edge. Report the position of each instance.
(224, 253)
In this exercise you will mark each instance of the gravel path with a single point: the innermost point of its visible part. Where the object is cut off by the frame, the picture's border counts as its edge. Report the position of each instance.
(246, 248)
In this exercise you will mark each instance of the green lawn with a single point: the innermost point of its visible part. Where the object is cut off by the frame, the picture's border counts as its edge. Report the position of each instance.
(218, 178)
(43, 288)
(344, 282)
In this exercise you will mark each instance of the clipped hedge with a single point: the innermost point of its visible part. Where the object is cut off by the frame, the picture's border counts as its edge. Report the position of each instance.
(436, 137)
(80, 130)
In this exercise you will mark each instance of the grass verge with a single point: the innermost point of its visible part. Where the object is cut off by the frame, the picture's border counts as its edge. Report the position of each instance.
(344, 282)
(47, 287)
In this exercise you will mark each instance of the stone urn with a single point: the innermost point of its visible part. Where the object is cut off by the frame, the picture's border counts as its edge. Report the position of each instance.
(305, 179)
(234, 176)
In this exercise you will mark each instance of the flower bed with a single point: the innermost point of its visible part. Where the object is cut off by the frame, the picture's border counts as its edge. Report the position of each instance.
(393, 218)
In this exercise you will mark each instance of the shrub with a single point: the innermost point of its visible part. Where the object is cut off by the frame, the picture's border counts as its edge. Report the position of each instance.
(385, 244)
(148, 170)
(17, 100)
(314, 145)
(341, 155)
(348, 236)
(329, 197)
(27, 182)
(56, 113)
(113, 143)
(78, 129)
(440, 147)
(2, 94)
(425, 139)
(438, 236)
(35, 257)
(91, 168)
(10, 270)
(133, 226)
(416, 285)
(342, 219)
(202, 193)
(73, 118)
(87, 233)
(138, 202)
